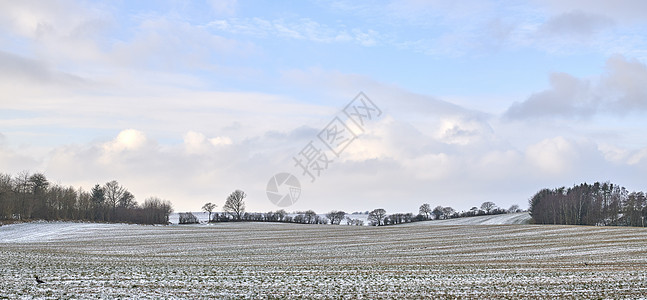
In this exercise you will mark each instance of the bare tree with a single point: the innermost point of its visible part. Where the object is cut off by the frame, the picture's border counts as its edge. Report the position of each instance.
(113, 192)
(376, 216)
(188, 218)
(39, 188)
(354, 222)
(235, 206)
(7, 203)
(280, 215)
(39, 183)
(448, 211)
(156, 210)
(127, 200)
(32, 196)
(310, 217)
(425, 210)
(514, 208)
(209, 207)
(438, 212)
(84, 204)
(335, 217)
(488, 206)
(23, 190)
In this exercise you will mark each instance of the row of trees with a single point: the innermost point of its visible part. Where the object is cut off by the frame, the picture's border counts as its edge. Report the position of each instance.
(306, 217)
(234, 210)
(379, 217)
(487, 208)
(589, 204)
(31, 196)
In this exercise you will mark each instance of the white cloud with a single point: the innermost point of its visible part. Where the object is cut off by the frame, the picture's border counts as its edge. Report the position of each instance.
(553, 156)
(220, 140)
(129, 145)
(622, 156)
(52, 20)
(500, 164)
(194, 142)
(16, 160)
(129, 139)
(638, 157)
(198, 143)
(613, 153)
(462, 131)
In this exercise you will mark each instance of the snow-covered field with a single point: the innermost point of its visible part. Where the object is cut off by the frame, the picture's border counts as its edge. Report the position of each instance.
(504, 219)
(268, 260)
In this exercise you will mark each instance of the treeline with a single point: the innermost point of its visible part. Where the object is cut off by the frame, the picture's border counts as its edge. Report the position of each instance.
(305, 217)
(234, 210)
(379, 217)
(447, 212)
(602, 204)
(32, 197)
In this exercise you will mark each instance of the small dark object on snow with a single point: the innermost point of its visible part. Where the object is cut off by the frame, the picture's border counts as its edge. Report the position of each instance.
(38, 280)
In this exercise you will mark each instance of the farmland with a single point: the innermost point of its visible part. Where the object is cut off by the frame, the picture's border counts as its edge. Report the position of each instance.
(261, 260)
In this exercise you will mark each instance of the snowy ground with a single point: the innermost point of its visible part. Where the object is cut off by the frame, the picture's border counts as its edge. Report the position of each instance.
(504, 219)
(268, 260)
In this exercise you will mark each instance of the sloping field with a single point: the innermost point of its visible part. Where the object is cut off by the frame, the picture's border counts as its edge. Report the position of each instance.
(504, 219)
(265, 260)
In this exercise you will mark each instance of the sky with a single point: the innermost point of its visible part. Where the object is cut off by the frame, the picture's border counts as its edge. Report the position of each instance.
(471, 101)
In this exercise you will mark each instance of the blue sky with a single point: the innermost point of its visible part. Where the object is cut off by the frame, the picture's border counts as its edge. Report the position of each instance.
(189, 100)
